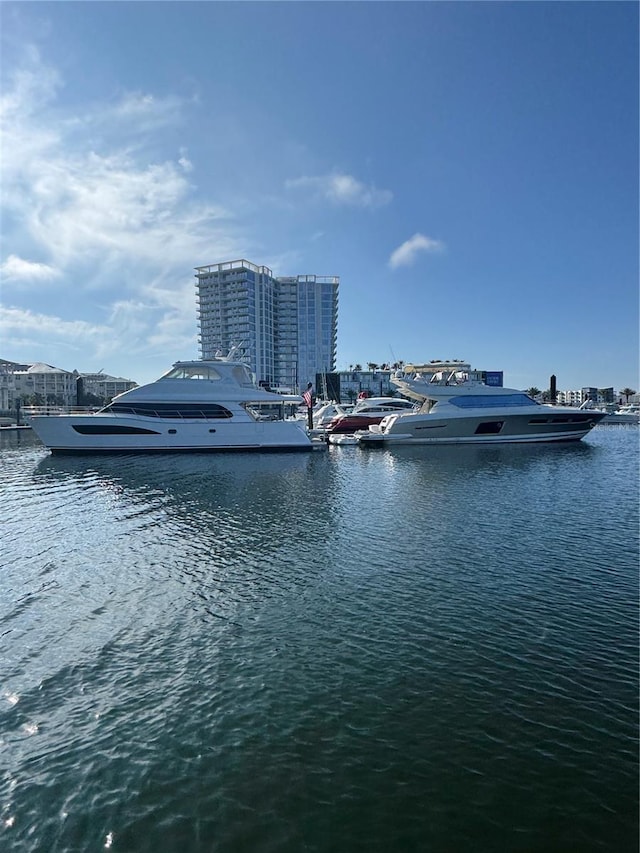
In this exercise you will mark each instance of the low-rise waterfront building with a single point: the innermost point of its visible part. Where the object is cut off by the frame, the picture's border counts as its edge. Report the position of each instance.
(569, 398)
(41, 384)
(8, 383)
(105, 387)
(346, 385)
(597, 396)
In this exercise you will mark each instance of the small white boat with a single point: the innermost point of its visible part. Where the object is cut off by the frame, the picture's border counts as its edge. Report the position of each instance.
(328, 411)
(195, 406)
(459, 408)
(342, 439)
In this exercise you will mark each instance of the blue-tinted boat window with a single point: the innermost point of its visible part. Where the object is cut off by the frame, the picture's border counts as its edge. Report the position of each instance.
(491, 401)
(193, 411)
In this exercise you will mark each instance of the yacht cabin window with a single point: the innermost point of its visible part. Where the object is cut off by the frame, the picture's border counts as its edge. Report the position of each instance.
(490, 401)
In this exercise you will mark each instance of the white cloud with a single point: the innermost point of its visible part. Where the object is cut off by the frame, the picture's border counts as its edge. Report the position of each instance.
(134, 113)
(96, 211)
(19, 269)
(96, 204)
(24, 321)
(160, 321)
(184, 161)
(24, 97)
(342, 189)
(406, 254)
(101, 217)
(33, 86)
(175, 324)
(137, 104)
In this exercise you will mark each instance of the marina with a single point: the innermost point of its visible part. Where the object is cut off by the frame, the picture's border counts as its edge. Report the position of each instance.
(412, 649)
(216, 404)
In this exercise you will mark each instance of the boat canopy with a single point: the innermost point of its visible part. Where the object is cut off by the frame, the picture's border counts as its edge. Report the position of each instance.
(208, 371)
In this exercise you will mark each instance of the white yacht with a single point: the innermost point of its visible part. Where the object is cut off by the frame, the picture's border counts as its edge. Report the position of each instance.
(324, 412)
(629, 414)
(458, 407)
(197, 405)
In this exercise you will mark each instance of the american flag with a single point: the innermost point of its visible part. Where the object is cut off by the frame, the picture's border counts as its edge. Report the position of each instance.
(308, 398)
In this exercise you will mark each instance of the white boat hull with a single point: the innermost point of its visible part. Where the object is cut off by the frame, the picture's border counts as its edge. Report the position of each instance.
(495, 429)
(121, 434)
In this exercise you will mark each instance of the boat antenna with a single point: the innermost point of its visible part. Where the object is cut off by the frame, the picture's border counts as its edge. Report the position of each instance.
(235, 348)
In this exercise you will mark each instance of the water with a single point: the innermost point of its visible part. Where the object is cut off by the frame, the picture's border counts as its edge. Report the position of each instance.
(419, 649)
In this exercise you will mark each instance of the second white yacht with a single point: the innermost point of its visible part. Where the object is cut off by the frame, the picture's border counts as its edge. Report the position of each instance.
(457, 407)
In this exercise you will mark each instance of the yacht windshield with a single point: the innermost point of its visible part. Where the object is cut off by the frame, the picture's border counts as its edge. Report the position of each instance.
(192, 371)
(242, 375)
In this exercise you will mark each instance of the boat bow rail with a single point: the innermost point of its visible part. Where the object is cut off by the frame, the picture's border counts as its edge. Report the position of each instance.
(52, 411)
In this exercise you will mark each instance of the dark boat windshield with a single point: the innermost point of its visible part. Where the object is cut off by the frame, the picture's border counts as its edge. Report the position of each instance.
(491, 401)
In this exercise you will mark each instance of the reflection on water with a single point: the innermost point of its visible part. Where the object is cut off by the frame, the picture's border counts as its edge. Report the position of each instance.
(456, 457)
(326, 651)
(232, 509)
(195, 488)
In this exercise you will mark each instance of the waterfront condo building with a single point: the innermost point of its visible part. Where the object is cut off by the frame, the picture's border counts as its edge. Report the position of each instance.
(285, 328)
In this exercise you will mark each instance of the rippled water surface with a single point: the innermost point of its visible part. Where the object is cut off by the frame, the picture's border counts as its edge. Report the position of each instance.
(420, 649)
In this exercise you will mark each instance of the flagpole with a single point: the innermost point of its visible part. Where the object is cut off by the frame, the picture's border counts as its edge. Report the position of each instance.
(308, 398)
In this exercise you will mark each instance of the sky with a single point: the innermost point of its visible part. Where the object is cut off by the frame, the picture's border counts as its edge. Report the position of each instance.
(468, 169)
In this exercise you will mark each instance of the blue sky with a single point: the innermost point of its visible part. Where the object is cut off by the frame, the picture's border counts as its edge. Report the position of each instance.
(469, 170)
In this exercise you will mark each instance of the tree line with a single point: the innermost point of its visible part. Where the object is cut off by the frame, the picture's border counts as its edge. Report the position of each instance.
(546, 395)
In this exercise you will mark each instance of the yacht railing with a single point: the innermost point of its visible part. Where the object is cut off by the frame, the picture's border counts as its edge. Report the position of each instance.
(30, 411)
(259, 410)
(173, 414)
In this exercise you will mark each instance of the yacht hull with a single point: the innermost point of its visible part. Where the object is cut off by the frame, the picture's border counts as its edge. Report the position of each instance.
(511, 428)
(105, 433)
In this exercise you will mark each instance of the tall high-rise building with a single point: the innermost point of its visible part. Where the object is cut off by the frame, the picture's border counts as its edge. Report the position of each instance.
(285, 327)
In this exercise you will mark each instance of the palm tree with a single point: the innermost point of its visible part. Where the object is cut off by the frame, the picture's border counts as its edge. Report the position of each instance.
(533, 391)
(627, 392)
